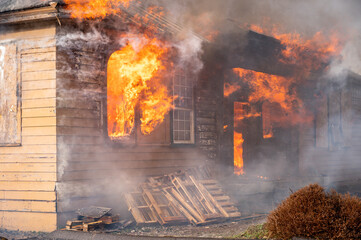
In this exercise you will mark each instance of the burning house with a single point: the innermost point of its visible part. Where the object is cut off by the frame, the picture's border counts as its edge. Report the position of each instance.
(91, 104)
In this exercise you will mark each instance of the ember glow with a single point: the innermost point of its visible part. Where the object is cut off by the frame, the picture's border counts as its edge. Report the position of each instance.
(230, 88)
(134, 83)
(91, 9)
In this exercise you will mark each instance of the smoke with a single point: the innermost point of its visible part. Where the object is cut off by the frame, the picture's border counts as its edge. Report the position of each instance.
(208, 19)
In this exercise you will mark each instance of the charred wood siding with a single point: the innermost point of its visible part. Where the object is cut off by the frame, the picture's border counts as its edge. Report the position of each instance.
(332, 146)
(91, 167)
(28, 172)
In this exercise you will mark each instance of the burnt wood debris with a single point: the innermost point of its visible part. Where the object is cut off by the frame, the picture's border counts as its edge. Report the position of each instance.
(190, 196)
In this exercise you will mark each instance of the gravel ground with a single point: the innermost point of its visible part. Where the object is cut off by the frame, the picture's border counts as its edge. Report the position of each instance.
(219, 230)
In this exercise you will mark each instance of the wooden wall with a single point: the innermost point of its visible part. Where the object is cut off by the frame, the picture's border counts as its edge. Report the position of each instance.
(92, 169)
(28, 172)
(331, 147)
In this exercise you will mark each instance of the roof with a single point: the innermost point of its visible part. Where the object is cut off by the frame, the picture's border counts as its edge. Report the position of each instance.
(15, 5)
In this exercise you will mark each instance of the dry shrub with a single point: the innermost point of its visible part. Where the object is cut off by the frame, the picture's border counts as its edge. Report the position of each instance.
(312, 213)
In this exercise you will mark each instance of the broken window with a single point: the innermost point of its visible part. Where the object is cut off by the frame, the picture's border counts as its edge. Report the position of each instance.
(183, 113)
(9, 96)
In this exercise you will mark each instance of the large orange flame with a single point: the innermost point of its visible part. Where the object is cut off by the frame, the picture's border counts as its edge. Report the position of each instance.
(95, 8)
(134, 83)
(275, 89)
(310, 54)
(238, 153)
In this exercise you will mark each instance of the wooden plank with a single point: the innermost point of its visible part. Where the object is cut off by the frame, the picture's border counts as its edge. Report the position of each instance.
(39, 103)
(166, 211)
(79, 113)
(28, 221)
(38, 45)
(81, 140)
(38, 140)
(78, 122)
(29, 149)
(38, 66)
(27, 195)
(41, 93)
(36, 85)
(184, 211)
(40, 75)
(22, 176)
(39, 131)
(10, 112)
(27, 33)
(95, 164)
(39, 122)
(79, 131)
(27, 167)
(27, 206)
(27, 186)
(39, 56)
(39, 50)
(27, 157)
(139, 209)
(39, 112)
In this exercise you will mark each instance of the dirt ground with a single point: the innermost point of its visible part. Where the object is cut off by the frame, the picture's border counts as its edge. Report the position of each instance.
(219, 230)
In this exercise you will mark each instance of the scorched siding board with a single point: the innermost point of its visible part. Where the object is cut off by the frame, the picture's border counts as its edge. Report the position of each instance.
(28, 172)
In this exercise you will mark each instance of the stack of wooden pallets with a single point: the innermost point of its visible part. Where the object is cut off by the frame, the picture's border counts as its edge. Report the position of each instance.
(181, 197)
(93, 218)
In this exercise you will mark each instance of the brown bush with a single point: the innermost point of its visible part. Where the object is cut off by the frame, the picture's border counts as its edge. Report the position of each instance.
(312, 213)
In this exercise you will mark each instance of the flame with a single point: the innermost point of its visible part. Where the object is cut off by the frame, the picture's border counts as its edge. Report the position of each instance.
(94, 8)
(134, 82)
(238, 153)
(310, 54)
(275, 89)
(230, 88)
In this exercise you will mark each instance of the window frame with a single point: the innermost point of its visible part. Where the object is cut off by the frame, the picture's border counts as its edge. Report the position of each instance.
(191, 110)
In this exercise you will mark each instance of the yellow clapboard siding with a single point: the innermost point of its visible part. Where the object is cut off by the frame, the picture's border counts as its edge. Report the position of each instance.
(27, 157)
(28, 195)
(23, 176)
(41, 49)
(28, 221)
(30, 149)
(38, 66)
(39, 56)
(34, 76)
(41, 93)
(39, 112)
(28, 167)
(38, 131)
(39, 34)
(26, 140)
(27, 186)
(39, 103)
(36, 85)
(27, 206)
(36, 44)
(39, 121)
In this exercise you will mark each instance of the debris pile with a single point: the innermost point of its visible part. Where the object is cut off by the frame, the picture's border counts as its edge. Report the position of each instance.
(95, 218)
(191, 196)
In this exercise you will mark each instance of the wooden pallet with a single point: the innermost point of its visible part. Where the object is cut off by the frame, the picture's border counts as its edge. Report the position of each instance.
(140, 209)
(220, 199)
(196, 199)
(166, 211)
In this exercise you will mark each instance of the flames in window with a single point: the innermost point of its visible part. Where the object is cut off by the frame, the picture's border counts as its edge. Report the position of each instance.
(135, 84)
